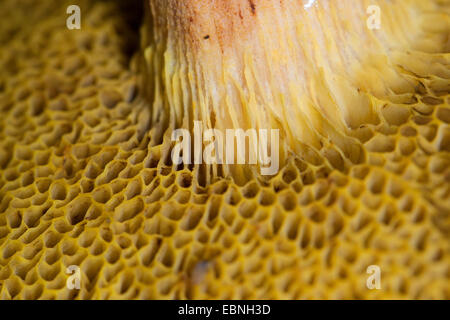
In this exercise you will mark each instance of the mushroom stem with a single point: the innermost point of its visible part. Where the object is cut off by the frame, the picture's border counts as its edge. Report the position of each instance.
(315, 70)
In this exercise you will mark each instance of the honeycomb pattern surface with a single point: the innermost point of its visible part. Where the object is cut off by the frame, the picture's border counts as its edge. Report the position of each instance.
(85, 182)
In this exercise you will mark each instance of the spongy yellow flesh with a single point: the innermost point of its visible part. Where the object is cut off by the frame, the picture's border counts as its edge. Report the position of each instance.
(86, 177)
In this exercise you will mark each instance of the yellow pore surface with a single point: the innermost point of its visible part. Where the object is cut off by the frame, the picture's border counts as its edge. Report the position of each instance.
(86, 177)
